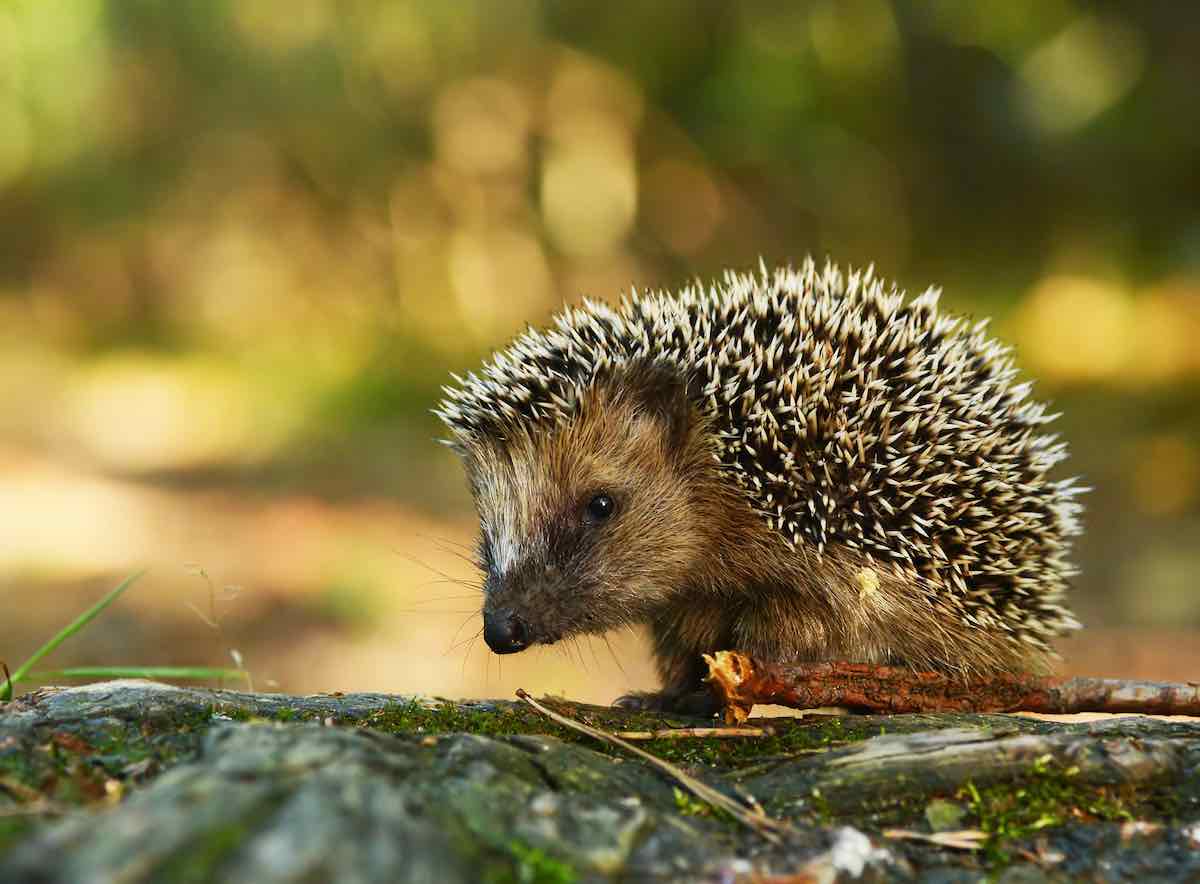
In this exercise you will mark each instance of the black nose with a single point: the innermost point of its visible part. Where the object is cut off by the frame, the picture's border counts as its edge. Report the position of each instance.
(504, 632)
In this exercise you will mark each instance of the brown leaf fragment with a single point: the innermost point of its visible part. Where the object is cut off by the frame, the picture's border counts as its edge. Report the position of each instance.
(71, 743)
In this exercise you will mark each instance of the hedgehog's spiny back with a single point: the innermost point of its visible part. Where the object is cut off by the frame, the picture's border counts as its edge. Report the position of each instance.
(848, 417)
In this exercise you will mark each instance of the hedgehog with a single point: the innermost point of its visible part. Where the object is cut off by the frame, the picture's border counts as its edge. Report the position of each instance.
(801, 464)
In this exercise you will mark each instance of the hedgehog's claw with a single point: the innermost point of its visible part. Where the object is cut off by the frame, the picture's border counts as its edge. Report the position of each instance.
(699, 703)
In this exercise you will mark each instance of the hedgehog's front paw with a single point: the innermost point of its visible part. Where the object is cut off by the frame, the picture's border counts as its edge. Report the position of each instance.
(699, 703)
(639, 701)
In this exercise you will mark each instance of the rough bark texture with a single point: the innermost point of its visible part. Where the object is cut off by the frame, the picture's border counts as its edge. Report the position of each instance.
(740, 682)
(138, 782)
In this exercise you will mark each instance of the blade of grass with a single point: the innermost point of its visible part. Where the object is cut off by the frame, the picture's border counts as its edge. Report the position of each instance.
(184, 673)
(67, 631)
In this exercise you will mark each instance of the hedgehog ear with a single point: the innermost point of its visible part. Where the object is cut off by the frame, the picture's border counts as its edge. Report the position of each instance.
(661, 392)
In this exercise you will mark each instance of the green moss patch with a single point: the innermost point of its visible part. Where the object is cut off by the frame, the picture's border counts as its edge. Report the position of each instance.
(529, 865)
(788, 737)
(78, 763)
(1051, 796)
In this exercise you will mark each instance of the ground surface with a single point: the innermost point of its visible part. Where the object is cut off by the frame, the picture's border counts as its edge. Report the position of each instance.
(132, 781)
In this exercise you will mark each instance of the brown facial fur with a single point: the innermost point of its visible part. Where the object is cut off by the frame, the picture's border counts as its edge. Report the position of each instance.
(686, 554)
(545, 559)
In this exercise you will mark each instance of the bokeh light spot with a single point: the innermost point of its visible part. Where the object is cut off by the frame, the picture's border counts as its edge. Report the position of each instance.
(482, 126)
(134, 413)
(589, 185)
(855, 38)
(270, 26)
(398, 48)
(1080, 73)
(1006, 27)
(1075, 328)
(500, 279)
(1166, 335)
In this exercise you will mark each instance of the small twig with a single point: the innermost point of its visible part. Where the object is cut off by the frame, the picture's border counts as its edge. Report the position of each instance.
(699, 733)
(6, 691)
(25, 794)
(740, 682)
(769, 762)
(758, 820)
(213, 619)
(41, 808)
(964, 839)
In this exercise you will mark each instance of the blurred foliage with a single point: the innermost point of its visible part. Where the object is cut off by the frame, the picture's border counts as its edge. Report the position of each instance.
(249, 239)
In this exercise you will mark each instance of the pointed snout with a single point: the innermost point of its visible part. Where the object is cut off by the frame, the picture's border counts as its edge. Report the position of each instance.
(505, 632)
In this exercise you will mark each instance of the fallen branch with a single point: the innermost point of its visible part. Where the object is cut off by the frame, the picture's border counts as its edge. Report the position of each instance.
(755, 819)
(739, 682)
(699, 733)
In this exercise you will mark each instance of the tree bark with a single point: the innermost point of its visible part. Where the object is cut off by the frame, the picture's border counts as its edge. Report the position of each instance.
(740, 682)
(140, 782)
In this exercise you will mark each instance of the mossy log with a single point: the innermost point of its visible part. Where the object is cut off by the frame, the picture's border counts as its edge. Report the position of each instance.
(135, 781)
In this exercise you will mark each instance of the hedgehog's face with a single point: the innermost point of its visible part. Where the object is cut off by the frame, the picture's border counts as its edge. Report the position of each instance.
(584, 526)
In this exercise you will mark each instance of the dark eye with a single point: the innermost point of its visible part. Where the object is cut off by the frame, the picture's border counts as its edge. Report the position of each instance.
(600, 508)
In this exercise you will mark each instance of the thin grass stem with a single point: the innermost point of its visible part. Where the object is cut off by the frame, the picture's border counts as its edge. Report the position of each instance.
(67, 631)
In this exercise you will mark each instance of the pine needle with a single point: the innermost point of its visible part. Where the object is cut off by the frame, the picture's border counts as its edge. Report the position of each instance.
(755, 819)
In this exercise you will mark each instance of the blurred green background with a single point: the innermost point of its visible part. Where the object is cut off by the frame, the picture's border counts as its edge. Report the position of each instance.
(245, 242)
